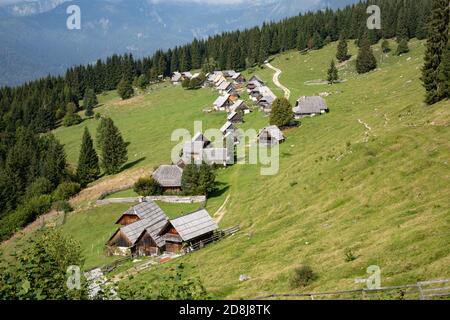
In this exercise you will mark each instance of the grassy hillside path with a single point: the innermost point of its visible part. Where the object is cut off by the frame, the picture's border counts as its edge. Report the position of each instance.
(276, 80)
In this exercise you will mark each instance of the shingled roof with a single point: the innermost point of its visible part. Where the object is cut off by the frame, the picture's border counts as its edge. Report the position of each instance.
(310, 105)
(153, 218)
(220, 101)
(168, 176)
(144, 210)
(194, 225)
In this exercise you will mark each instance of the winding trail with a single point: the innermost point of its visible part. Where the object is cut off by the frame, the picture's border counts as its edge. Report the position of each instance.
(218, 216)
(276, 80)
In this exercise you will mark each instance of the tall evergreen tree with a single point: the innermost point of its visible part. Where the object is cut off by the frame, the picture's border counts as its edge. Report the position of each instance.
(206, 179)
(444, 74)
(189, 179)
(365, 61)
(342, 50)
(88, 168)
(333, 74)
(436, 44)
(113, 148)
(89, 102)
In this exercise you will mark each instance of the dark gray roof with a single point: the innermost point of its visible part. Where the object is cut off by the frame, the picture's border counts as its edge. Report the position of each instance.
(194, 225)
(154, 218)
(168, 176)
(310, 105)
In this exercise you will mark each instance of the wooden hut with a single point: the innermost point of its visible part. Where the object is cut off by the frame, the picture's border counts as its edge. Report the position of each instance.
(150, 217)
(169, 177)
(188, 230)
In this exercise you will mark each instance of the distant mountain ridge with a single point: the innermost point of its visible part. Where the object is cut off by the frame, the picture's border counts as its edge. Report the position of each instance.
(36, 42)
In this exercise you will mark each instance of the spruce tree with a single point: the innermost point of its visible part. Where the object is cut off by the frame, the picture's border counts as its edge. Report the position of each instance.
(333, 75)
(89, 102)
(282, 114)
(436, 43)
(88, 168)
(342, 50)
(444, 74)
(365, 61)
(113, 148)
(206, 179)
(189, 179)
(125, 89)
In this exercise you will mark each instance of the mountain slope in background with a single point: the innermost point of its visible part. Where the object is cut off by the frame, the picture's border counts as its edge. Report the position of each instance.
(36, 42)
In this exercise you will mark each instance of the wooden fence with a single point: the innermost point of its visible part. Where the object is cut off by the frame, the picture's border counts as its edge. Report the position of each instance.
(425, 290)
(216, 237)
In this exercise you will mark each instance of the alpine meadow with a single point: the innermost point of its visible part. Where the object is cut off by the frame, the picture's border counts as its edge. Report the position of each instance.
(150, 174)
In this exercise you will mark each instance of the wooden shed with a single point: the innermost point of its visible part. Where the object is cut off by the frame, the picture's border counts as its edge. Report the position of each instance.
(123, 241)
(188, 230)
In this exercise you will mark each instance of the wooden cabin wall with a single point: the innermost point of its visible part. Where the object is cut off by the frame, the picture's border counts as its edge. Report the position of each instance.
(127, 219)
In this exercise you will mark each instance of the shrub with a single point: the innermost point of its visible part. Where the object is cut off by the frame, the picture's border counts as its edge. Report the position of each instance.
(66, 190)
(39, 187)
(147, 187)
(349, 256)
(23, 215)
(62, 205)
(303, 276)
(71, 120)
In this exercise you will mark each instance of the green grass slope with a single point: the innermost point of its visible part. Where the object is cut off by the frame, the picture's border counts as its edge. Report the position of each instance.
(385, 200)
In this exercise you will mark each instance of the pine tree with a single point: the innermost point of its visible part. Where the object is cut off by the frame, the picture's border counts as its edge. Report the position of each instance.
(88, 167)
(402, 47)
(436, 43)
(264, 47)
(113, 148)
(125, 89)
(444, 74)
(189, 179)
(206, 179)
(89, 102)
(365, 61)
(342, 50)
(282, 114)
(333, 75)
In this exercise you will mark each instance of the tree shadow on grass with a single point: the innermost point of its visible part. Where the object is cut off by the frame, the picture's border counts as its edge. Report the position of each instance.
(132, 164)
(221, 188)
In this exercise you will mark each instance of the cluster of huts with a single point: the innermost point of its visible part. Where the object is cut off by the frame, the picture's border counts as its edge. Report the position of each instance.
(260, 94)
(198, 150)
(147, 231)
(179, 77)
